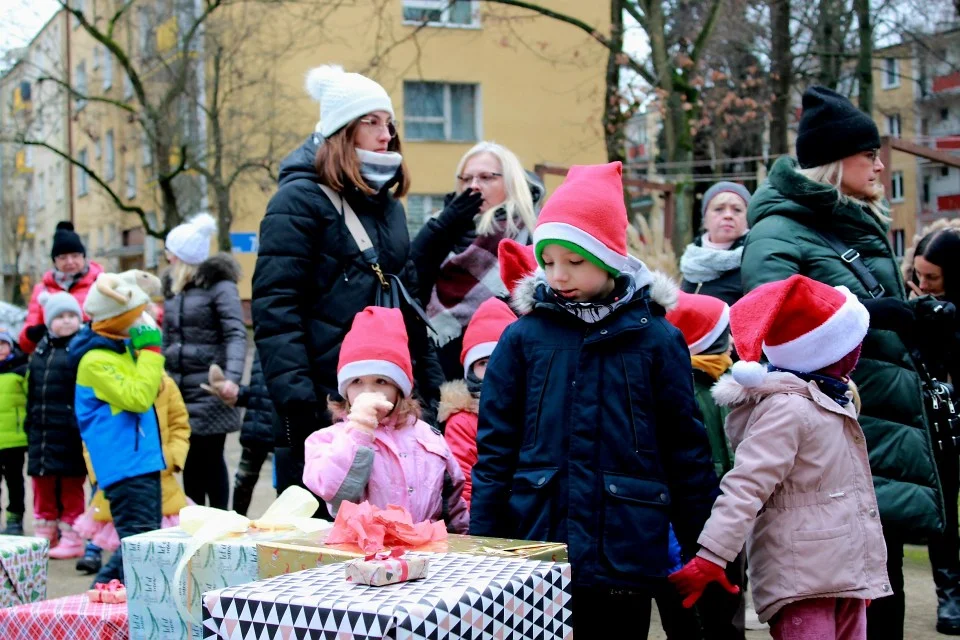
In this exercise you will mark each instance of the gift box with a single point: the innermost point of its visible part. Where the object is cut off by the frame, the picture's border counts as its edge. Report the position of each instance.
(463, 597)
(150, 561)
(23, 570)
(73, 617)
(297, 553)
(386, 568)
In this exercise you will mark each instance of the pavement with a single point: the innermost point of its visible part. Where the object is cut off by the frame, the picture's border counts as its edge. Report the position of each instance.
(921, 599)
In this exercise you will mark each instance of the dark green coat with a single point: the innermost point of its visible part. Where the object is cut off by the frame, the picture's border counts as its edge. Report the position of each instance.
(714, 418)
(782, 242)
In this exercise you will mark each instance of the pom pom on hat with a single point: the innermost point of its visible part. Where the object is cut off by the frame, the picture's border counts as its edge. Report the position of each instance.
(749, 374)
(190, 241)
(66, 240)
(344, 97)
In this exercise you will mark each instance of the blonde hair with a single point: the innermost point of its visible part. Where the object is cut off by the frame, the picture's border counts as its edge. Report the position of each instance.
(832, 175)
(519, 202)
(405, 408)
(181, 275)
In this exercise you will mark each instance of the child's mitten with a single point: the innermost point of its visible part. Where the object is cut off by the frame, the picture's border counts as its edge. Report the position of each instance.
(365, 411)
(144, 334)
(693, 579)
(216, 380)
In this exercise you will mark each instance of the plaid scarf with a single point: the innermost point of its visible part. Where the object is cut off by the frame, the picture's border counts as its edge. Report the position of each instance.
(465, 281)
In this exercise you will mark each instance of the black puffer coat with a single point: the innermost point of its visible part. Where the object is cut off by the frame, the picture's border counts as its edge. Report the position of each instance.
(53, 438)
(310, 281)
(203, 325)
(257, 429)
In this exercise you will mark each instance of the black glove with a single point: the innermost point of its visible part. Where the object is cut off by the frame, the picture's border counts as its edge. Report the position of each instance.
(935, 318)
(459, 211)
(892, 314)
(36, 332)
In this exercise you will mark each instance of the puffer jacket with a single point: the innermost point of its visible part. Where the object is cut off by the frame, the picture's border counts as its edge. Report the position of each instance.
(49, 284)
(784, 216)
(203, 325)
(727, 286)
(13, 400)
(309, 283)
(54, 446)
(257, 429)
(800, 495)
(589, 435)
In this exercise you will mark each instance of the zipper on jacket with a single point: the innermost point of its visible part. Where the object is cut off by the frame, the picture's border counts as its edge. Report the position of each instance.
(543, 391)
(136, 440)
(633, 421)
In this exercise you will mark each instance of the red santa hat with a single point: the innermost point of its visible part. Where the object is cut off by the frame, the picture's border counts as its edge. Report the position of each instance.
(516, 262)
(587, 215)
(701, 319)
(487, 325)
(376, 345)
(798, 323)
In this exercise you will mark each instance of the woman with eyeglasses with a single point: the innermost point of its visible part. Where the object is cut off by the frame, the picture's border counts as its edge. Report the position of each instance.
(456, 251)
(310, 278)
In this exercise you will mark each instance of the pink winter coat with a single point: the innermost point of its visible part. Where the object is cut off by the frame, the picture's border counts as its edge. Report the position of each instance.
(403, 465)
(800, 494)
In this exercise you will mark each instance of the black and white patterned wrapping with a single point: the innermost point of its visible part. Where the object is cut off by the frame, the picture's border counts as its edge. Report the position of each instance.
(464, 596)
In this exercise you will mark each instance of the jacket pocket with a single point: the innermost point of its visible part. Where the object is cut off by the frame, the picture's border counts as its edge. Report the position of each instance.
(530, 435)
(825, 560)
(636, 523)
(530, 502)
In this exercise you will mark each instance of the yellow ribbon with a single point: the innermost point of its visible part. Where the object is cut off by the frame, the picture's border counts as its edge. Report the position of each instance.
(291, 510)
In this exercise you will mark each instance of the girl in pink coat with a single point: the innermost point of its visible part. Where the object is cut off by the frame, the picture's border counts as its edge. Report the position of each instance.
(800, 493)
(379, 450)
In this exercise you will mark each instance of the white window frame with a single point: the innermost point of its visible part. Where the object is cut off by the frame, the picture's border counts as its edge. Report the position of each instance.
(107, 71)
(444, 6)
(446, 118)
(896, 186)
(131, 182)
(110, 163)
(894, 125)
(899, 242)
(83, 184)
(885, 81)
(82, 87)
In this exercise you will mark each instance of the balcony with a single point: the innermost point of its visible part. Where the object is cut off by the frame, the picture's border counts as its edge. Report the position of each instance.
(948, 203)
(946, 82)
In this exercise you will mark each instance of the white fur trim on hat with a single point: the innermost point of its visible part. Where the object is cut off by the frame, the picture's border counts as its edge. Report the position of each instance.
(383, 368)
(579, 237)
(478, 352)
(190, 241)
(713, 334)
(344, 97)
(827, 343)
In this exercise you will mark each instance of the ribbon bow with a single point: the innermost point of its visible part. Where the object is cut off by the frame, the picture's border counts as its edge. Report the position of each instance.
(113, 585)
(387, 554)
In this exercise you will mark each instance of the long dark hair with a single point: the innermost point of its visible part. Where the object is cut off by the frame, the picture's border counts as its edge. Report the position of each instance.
(942, 248)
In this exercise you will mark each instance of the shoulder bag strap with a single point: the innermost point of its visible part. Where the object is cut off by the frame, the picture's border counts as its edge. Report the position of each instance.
(852, 258)
(360, 235)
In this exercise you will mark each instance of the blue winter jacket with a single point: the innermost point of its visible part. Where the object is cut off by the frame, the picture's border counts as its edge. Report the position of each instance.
(589, 434)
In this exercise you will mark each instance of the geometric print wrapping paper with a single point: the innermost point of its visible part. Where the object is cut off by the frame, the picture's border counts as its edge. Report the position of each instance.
(23, 570)
(463, 596)
(69, 618)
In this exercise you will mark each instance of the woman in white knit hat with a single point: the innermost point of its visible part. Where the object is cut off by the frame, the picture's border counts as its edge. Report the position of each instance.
(311, 279)
(203, 325)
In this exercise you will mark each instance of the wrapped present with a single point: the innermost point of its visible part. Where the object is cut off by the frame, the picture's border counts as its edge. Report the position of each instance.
(112, 592)
(23, 570)
(74, 617)
(463, 597)
(166, 571)
(297, 553)
(387, 567)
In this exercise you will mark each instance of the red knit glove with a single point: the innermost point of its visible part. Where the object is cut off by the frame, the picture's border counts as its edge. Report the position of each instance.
(694, 578)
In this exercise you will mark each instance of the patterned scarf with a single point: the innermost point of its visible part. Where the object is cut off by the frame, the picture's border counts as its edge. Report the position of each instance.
(595, 311)
(465, 281)
(66, 281)
(378, 168)
(836, 389)
(700, 264)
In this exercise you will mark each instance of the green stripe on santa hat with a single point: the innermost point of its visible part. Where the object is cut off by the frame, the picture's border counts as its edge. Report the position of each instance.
(580, 242)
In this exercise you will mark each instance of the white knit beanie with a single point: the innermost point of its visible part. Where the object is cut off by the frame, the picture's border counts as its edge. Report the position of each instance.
(190, 241)
(344, 97)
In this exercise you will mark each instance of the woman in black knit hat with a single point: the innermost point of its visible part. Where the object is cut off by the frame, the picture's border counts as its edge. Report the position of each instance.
(71, 272)
(823, 215)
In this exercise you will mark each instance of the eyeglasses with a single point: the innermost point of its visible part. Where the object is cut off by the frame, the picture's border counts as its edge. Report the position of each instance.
(482, 178)
(373, 122)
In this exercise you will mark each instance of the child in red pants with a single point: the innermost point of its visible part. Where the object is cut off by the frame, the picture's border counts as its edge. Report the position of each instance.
(55, 453)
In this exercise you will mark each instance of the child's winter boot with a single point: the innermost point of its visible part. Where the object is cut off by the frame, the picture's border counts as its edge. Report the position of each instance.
(14, 525)
(71, 544)
(46, 529)
(92, 560)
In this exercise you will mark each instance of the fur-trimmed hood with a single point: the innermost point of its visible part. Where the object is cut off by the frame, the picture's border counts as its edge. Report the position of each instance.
(663, 289)
(216, 269)
(454, 398)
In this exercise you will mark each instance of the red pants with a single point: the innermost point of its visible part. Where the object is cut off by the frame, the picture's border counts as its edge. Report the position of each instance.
(58, 498)
(821, 619)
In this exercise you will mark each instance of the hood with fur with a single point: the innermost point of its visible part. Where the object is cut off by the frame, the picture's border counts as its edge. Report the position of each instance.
(216, 269)
(454, 398)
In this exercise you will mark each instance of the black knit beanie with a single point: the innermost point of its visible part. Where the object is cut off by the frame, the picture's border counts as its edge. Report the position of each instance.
(66, 240)
(832, 129)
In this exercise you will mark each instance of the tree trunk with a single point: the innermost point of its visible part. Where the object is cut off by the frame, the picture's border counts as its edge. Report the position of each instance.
(865, 61)
(827, 51)
(613, 118)
(224, 217)
(782, 76)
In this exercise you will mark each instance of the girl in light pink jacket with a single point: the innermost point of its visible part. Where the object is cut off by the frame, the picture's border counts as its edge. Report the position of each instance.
(800, 493)
(380, 451)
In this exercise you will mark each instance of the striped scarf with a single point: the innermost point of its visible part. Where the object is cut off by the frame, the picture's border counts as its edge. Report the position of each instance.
(378, 168)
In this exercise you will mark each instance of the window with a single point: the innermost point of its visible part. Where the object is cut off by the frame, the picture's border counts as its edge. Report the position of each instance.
(81, 85)
(107, 71)
(924, 126)
(146, 149)
(944, 172)
(83, 186)
(59, 190)
(98, 149)
(926, 190)
(131, 182)
(150, 253)
(110, 170)
(893, 125)
(419, 209)
(899, 242)
(101, 240)
(891, 73)
(41, 184)
(78, 6)
(127, 87)
(438, 111)
(145, 32)
(896, 186)
(440, 12)
(944, 114)
(96, 56)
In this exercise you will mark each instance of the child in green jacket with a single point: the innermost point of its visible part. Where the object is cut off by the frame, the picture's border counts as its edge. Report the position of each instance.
(13, 438)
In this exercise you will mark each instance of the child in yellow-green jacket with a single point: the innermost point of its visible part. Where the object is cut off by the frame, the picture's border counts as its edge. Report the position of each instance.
(13, 438)
(118, 379)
